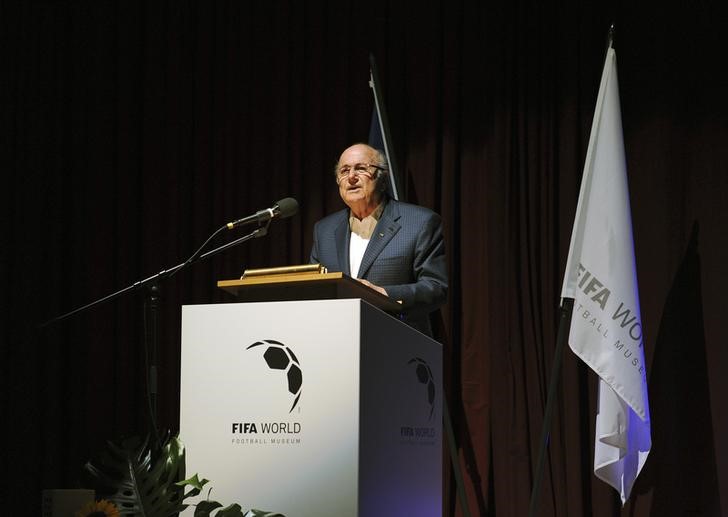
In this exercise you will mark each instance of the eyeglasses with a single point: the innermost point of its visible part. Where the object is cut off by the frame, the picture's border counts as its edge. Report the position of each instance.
(359, 169)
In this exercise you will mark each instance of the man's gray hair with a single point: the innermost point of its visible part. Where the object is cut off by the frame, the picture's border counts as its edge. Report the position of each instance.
(383, 170)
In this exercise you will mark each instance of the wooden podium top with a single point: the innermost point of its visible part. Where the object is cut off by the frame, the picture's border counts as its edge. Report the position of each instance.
(305, 286)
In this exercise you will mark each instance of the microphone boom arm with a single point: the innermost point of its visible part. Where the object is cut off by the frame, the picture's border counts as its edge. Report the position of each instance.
(258, 232)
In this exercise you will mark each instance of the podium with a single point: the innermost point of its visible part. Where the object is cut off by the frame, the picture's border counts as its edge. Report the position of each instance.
(312, 407)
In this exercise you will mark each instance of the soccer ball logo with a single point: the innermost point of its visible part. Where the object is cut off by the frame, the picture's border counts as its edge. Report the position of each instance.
(424, 376)
(279, 357)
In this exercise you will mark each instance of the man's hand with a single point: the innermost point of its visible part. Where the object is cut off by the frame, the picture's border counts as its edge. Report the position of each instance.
(375, 287)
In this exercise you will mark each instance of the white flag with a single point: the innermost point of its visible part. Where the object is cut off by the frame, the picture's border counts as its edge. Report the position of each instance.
(606, 326)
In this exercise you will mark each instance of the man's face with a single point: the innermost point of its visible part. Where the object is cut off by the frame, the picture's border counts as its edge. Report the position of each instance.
(358, 190)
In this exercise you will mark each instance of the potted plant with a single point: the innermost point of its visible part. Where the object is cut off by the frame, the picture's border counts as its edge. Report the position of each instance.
(137, 479)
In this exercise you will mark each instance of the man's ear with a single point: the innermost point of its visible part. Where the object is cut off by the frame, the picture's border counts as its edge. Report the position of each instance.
(381, 181)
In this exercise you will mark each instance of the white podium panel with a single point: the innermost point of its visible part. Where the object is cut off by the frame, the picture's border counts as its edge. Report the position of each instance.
(312, 408)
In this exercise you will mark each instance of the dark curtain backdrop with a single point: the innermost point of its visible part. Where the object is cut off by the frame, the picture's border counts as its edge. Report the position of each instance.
(132, 130)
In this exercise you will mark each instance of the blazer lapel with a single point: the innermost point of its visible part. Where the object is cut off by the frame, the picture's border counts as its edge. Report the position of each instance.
(386, 228)
(342, 236)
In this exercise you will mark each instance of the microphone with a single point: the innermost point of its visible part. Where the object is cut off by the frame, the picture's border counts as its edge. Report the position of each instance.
(282, 209)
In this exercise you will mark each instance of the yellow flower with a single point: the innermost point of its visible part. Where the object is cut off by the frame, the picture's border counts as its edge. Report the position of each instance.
(101, 508)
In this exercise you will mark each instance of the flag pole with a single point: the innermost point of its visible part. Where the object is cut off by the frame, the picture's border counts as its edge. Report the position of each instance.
(567, 307)
(381, 111)
(610, 36)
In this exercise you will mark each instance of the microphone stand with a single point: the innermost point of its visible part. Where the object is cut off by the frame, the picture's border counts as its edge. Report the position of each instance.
(151, 312)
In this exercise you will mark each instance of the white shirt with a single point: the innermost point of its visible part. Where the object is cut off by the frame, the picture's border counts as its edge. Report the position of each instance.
(361, 233)
(357, 247)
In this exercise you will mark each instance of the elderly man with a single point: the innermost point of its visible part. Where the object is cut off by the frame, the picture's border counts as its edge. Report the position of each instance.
(395, 248)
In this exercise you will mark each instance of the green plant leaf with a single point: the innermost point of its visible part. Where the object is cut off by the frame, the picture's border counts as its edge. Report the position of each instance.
(194, 482)
(127, 476)
(234, 510)
(205, 508)
(146, 482)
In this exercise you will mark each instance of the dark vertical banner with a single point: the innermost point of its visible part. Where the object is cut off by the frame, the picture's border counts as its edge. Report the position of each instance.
(380, 136)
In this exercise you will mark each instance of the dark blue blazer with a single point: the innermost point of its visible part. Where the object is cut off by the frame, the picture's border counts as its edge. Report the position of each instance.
(405, 256)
